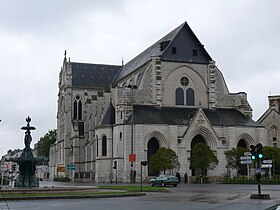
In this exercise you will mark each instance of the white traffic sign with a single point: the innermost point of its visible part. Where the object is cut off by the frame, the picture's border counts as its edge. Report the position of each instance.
(266, 166)
(245, 158)
(3, 167)
(267, 161)
(246, 161)
(247, 153)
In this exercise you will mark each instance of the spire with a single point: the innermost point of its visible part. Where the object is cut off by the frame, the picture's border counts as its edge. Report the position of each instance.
(65, 59)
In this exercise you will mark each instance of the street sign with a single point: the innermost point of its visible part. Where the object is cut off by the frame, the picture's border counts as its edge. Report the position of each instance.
(245, 158)
(267, 161)
(246, 161)
(266, 166)
(61, 169)
(71, 167)
(247, 153)
(3, 167)
(132, 158)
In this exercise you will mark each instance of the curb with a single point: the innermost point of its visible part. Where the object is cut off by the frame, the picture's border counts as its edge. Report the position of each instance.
(74, 197)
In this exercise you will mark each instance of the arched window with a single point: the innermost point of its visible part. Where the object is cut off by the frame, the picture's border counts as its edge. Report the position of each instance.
(77, 108)
(274, 132)
(179, 96)
(80, 110)
(104, 146)
(190, 97)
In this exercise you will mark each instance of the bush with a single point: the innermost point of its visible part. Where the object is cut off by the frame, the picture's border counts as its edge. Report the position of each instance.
(5, 180)
(62, 179)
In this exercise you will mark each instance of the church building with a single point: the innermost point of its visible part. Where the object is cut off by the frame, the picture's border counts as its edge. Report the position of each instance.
(112, 117)
(271, 120)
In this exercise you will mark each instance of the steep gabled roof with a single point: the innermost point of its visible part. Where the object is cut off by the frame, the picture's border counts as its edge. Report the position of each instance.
(182, 38)
(144, 114)
(109, 117)
(87, 75)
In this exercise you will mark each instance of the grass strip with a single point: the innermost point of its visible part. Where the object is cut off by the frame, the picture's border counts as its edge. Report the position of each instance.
(18, 195)
(133, 188)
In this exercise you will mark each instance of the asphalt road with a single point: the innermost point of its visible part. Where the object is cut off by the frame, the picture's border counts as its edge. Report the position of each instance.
(190, 196)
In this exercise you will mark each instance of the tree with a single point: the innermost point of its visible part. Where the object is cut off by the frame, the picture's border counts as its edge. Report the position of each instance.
(164, 159)
(233, 159)
(46, 142)
(272, 153)
(202, 158)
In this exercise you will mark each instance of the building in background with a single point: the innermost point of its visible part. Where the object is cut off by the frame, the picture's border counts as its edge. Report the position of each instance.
(271, 120)
(110, 118)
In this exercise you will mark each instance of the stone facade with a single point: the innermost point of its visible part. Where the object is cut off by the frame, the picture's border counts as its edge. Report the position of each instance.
(99, 127)
(271, 120)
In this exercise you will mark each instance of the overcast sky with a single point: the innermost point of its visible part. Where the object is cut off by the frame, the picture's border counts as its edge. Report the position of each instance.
(243, 37)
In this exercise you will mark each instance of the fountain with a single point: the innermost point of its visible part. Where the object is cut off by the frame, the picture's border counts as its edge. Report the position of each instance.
(27, 162)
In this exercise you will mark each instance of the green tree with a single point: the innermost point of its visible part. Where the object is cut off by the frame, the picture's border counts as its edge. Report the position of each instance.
(164, 159)
(202, 158)
(46, 142)
(233, 159)
(272, 153)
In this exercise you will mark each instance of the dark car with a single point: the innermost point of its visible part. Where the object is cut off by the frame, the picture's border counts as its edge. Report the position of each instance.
(164, 180)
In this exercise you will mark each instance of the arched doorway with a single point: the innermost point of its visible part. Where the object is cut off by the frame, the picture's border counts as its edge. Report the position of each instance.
(153, 146)
(242, 169)
(242, 143)
(197, 139)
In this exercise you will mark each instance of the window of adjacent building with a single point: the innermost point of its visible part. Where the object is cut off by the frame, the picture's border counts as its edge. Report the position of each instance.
(179, 96)
(190, 97)
(174, 50)
(274, 132)
(184, 95)
(104, 146)
(194, 52)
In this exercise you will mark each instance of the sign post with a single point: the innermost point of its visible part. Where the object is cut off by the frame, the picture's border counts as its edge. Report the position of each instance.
(72, 167)
(246, 160)
(3, 169)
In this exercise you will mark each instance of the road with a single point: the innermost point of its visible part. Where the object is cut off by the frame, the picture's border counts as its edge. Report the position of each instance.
(190, 197)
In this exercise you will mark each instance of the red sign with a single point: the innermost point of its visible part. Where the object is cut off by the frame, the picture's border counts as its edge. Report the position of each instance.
(132, 157)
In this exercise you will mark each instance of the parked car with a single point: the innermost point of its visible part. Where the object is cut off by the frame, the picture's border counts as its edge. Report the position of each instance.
(164, 180)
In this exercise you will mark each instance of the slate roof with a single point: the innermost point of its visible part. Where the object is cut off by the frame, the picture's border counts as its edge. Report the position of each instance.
(109, 118)
(184, 39)
(87, 75)
(143, 114)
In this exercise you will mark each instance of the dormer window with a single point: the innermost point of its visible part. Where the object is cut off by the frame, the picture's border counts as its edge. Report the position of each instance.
(194, 52)
(174, 50)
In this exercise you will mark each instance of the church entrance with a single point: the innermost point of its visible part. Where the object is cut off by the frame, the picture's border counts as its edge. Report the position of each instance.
(242, 169)
(153, 146)
(242, 143)
(198, 139)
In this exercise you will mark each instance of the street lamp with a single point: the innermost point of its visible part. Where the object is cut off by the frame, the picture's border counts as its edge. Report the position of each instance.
(132, 87)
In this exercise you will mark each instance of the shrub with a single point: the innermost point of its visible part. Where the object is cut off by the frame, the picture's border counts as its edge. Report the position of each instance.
(62, 179)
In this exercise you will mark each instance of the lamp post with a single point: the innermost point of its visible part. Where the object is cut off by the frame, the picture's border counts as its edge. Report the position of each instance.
(132, 155)
(132, 87)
